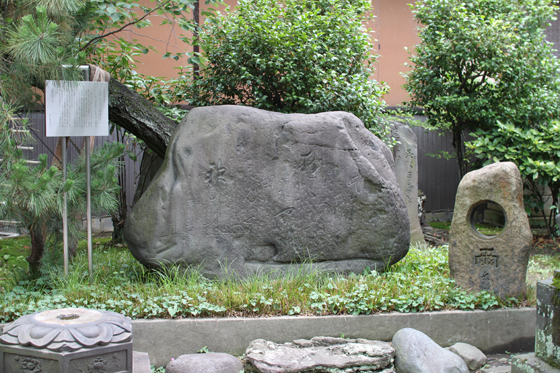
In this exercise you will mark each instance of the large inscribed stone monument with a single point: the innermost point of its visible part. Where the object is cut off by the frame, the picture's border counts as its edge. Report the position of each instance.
(493, 262)
(245, 190)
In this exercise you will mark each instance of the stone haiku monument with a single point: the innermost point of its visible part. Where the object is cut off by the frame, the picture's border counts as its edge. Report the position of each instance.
(406, 171)
(497, 263)
(244, 190)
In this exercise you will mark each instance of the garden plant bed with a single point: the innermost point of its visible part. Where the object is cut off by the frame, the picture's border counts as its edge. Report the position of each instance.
(418, 285)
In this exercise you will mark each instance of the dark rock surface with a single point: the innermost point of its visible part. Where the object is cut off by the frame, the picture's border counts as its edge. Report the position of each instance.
(245, 190)
(417, 353)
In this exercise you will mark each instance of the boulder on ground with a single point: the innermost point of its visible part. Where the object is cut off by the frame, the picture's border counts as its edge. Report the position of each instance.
(244, 190)
(472, 356)
(205, 363)
(320, 354)
(495, 262)
(417, 353)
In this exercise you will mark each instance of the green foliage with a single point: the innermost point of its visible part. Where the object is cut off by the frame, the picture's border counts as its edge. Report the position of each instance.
(484, 61)
(535, 150)
(119, 55)
(35, 40)
(440, 225)
(13, 252)
(32, 194)
(291, 56)
(420, 282)
(39, 37)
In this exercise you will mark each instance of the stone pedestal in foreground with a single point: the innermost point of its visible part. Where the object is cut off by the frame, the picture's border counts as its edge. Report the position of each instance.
(69, 340)
(546, 358)
(496, 263)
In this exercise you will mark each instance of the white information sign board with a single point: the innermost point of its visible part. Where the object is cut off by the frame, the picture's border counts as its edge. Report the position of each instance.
(77, 108)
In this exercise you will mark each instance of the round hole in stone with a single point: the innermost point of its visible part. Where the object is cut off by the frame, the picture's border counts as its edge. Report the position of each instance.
(68, 317)
(488, 218)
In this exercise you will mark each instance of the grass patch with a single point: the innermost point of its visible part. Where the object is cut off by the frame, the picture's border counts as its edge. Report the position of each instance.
(13, 252)
(445, 225)
(486, 229)
(420, 282)
(541, 267)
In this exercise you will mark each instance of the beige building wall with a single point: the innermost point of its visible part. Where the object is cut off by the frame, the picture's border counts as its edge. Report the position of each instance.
(394, 28)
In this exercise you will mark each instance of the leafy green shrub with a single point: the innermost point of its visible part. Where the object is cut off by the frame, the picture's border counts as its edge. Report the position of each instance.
(535, 150)
(32, 195)
(484, 61)
(291, 56)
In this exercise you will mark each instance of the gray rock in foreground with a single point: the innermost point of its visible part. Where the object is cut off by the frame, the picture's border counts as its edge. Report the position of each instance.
(245, 190)
(320, 354)
(205, 363)
(472, 356)
(417, 353)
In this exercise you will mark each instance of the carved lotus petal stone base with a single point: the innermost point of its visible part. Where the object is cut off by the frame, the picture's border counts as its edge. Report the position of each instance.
(67, 340)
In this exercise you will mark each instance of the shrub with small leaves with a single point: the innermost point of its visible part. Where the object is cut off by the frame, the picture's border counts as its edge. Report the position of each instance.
(292, 56)
(536, 152)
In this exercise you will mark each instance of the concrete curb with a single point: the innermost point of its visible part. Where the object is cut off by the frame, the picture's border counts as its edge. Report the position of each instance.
(494, 331)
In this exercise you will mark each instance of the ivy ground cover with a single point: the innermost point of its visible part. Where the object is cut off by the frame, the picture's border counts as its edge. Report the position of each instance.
(420, 282)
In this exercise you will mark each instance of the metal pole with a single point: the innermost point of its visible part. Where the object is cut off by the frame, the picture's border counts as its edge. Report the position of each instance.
(88, 200)
(64, 211)
(88, 209)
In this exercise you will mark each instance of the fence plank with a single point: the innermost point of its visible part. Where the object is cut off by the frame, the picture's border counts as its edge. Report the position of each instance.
(437, 178)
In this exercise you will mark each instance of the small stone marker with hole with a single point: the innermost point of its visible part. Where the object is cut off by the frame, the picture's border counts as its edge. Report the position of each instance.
(490, 235)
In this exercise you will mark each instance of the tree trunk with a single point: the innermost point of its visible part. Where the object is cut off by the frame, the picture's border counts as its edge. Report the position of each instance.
(119, 217)
(37, 249)
(140, 117)
(458, 145)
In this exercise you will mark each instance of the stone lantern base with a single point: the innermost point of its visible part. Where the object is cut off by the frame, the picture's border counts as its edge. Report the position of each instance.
(71, 340)
(113, 358)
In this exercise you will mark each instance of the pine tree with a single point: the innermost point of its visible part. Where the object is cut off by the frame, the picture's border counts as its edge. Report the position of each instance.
(48, 39)
(36, 44)
(32, 194)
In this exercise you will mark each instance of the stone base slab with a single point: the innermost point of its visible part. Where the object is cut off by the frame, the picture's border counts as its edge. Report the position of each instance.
(140, 362)
(529, 363)
(492, 331)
